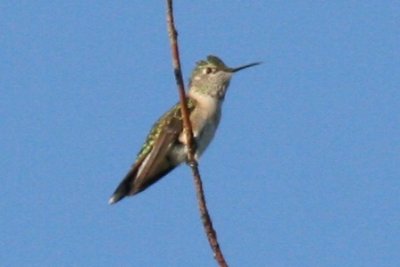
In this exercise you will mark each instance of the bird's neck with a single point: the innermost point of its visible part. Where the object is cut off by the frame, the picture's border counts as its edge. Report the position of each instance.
(204, 101)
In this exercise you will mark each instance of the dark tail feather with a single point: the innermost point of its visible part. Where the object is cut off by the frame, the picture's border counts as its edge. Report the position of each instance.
(120, 192)
(132, 184)
(124, 188)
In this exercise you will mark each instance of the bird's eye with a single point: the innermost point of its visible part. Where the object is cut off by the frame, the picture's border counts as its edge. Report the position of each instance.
(208, 70)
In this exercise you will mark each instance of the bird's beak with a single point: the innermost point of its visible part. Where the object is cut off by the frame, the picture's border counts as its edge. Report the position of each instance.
(244, 67)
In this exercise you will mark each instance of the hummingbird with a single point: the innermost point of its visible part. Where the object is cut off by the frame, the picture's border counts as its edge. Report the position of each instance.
(164, 148)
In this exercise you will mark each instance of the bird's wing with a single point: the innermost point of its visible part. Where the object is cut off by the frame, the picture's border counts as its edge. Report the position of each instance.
(157, 163)
(153, 160)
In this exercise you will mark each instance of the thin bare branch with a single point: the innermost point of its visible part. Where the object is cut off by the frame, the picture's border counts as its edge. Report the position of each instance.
(205, 217)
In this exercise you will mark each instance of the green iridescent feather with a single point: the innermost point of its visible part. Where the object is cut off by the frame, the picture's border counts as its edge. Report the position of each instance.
(159, 126)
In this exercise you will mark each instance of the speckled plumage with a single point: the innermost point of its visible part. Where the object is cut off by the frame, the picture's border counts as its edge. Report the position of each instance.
(158, 127)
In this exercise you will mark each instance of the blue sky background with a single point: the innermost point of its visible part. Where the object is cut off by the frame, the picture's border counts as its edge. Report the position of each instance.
(304, 170)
